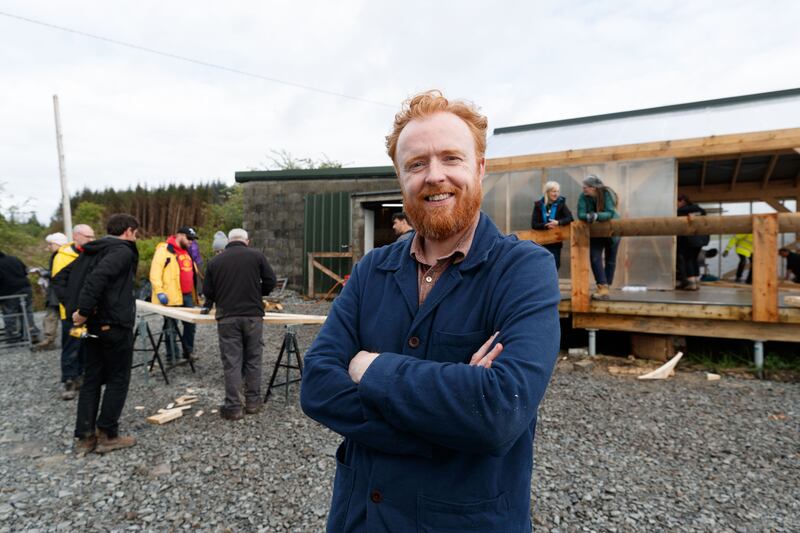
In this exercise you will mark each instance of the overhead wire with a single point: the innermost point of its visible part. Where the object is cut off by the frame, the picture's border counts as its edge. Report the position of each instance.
(194, 61)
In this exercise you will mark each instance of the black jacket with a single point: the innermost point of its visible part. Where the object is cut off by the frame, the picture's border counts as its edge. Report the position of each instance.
(101, 282)
(13, 275)
(236, 280)
(692, 241)
(563, 214)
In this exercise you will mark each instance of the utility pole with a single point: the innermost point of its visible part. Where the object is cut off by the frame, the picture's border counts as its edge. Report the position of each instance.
(62, 170)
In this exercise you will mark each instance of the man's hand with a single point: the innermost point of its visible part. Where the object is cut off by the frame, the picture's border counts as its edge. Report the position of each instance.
(360, 363)
(725, 253)
(162, 298)
(78, 319)
(484, 357)
(552, 224)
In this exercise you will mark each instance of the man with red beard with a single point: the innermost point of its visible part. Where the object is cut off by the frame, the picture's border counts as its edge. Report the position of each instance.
(434, 358)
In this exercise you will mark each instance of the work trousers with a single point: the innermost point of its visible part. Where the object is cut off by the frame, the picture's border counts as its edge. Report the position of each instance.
(241, 347)
(743, 259)
(108, 362)
(170, 324)
(50, 325)
(687, 262)
(603, 257)
(73, 353)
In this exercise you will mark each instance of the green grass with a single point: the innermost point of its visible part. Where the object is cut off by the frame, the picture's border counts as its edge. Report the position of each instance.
(728, 360)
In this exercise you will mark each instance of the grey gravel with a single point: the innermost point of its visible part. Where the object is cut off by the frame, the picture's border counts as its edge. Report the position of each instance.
(612, 453)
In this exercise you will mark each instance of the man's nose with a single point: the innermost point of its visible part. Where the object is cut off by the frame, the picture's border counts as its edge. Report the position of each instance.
(436, 172)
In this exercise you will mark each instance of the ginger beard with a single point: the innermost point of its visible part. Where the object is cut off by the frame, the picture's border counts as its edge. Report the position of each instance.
(438, 223)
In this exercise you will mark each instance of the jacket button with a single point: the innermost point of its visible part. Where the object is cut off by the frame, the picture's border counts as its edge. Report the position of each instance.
(413, 342)
(376, 496)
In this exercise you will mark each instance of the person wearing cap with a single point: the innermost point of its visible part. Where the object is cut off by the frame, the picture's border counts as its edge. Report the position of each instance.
(173, 275)
(73, 352)
(51, 318)
(598, 203)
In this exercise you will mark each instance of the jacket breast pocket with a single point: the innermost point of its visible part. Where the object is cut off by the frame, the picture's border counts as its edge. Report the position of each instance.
(456, 517)
(343, 483)
(456, 347)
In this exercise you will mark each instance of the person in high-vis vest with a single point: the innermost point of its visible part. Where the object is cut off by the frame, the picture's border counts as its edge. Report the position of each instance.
(743, 246)
(173, 275)
(71, 347)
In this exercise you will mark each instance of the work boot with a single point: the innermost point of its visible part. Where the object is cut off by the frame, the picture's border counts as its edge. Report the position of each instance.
(70, 390)
(107, 444)
(252, 408)
(85, 445)
(44, 345)
(601, 293)
(691, 285)
(231, 414)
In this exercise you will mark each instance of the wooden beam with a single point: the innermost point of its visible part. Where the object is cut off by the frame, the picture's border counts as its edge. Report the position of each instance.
(703, 176)
(327, 271)
(768, 141)
(765, 268)
(707, 225)
(744, 191)
(776, 205)
(673, 310)
(726, 329)
(579, 266)
(770, 169)
(558, 234)
(736, 170)
(731, 157)
(187, 315)
(793, 301)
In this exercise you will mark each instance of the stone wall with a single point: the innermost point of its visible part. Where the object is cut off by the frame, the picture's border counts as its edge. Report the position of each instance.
(274, 217)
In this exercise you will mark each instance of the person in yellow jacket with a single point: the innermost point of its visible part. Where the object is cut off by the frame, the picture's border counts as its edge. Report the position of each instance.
(173, 275)
(71, 347)
(743, 245)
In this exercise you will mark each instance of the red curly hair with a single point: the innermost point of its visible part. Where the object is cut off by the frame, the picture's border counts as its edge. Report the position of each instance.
(426, 104)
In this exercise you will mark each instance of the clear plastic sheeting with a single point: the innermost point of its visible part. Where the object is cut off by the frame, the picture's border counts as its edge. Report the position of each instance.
(646, 188)
(703, 121)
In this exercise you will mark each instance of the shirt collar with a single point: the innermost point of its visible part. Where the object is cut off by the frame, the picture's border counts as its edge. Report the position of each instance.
(458, 253)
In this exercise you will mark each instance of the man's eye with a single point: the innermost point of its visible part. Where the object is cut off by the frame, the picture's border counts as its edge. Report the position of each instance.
(416, 165)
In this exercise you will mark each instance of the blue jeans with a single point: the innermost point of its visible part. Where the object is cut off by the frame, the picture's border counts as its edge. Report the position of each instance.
(72, 353)
(598, 246)
(187, 335)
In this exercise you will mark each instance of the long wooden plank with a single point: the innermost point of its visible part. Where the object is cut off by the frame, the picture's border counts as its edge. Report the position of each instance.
(726, 329)
(326, 270)
(579, 266)
(793, 301)
(185, 315)
(685, 148)
(765, 268)
(558, 234)
(743, 191)
(674, 310)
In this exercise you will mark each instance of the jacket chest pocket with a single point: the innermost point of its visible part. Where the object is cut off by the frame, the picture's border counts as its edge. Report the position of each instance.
(456, 347)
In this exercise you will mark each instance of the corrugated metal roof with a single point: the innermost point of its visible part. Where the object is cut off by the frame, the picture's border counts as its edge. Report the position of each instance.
(741, 114)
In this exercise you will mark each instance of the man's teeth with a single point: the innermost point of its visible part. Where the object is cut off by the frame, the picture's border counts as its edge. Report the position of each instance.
(437, 197)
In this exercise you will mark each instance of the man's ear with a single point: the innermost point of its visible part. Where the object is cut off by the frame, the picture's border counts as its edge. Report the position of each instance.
(482, 168)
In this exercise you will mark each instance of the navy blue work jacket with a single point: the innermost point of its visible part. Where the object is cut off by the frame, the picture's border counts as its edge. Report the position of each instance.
(431, 443)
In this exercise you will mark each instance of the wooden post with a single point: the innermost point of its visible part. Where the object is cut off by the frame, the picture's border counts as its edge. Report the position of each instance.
(66, 209)
(579, 266)
(765, 268)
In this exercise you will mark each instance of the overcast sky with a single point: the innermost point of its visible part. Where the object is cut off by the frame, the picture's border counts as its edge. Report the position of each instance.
(130, 116)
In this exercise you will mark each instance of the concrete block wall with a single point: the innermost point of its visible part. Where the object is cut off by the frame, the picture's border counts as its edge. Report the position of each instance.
(274, 217)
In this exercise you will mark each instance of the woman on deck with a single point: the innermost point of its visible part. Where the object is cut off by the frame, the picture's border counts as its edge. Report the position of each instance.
(598, 203)
(549, 212)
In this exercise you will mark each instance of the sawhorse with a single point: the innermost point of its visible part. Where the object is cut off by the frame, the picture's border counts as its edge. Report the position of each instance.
(144, 332)
(288, 348)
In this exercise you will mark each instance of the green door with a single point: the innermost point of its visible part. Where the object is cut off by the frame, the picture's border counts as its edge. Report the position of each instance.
(327, 229)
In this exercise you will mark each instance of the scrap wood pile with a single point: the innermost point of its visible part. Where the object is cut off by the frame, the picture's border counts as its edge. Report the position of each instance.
(175, 409)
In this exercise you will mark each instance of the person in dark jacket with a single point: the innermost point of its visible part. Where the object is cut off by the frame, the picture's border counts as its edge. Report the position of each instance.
(435, 356)
(549, 212)
(792, 263)
(101, 296)
(235, 281)
(14, 282)
(689, 247)
(598, 203)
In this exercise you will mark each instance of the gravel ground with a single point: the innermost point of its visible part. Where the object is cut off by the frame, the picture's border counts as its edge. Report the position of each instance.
(613, 454)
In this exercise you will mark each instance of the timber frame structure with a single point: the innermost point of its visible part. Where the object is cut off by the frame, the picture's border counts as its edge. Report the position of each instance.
(760, 164)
